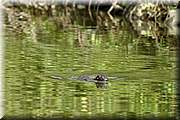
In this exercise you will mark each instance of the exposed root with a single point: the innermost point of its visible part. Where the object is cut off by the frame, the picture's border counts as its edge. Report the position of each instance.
(66, 10)
(89, 10)
(113, 6)
(109, 12)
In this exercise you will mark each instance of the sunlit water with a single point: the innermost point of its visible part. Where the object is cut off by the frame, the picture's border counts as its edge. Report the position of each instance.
(145, 74)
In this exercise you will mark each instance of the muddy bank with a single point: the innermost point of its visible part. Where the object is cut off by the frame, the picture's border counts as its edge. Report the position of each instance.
(155, 21)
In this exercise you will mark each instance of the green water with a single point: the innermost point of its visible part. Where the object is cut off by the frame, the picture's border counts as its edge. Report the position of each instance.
(146, 87)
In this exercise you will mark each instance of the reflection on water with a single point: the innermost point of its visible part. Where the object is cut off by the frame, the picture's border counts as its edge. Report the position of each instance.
(144, 83)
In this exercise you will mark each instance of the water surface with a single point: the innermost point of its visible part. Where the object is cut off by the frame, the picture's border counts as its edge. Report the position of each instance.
(146, 84)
